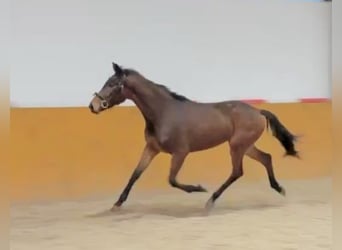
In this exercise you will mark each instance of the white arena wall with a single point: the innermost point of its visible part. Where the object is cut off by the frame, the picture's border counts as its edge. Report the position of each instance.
(207, 50)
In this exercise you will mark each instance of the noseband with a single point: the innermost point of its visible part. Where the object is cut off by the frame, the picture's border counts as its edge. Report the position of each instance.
(99, 96)
(103, 102)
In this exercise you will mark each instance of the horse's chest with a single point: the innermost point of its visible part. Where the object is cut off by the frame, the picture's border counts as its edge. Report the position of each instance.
(169, 139)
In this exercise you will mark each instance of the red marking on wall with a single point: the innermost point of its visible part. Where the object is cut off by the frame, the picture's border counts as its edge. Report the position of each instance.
(302, 100)
(314, 100)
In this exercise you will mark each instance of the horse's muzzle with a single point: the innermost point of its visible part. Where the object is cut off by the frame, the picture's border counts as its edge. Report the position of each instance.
(91, 107)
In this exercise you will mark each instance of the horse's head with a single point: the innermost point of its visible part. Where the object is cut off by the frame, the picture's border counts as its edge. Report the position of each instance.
(111, 93)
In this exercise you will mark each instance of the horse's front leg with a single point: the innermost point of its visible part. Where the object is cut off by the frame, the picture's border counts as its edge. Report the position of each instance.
(176, 164)
(147, 156)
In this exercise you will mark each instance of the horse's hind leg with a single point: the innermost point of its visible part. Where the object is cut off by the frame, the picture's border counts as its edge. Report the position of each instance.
(266, 160)
(146, 157)
(237, 151)
(176, 164)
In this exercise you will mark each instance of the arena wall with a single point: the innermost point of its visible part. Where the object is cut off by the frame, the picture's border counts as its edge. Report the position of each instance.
(69, 152)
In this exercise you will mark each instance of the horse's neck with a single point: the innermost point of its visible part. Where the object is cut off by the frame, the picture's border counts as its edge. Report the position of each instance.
(150, 102)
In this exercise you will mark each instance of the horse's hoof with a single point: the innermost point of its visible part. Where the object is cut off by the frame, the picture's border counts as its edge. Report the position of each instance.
(115, 208)
(209, 205)
(201, 189)
(282, 191)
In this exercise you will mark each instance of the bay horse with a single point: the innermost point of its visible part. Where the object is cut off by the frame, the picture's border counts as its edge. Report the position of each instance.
(179, 126)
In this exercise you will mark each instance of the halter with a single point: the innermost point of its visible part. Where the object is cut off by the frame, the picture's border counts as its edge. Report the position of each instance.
(99, 96)
(104, 103)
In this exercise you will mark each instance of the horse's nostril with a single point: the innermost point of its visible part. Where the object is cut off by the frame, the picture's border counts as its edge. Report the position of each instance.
(104, 104)
(91, 107)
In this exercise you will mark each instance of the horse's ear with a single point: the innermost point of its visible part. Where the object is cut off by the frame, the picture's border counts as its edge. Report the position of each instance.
(117, 69)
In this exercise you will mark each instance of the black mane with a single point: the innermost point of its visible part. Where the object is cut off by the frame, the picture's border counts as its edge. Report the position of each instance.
(179, 97)
(174, 95)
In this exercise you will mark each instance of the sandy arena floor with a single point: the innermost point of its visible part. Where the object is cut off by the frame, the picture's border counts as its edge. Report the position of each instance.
(247, 216)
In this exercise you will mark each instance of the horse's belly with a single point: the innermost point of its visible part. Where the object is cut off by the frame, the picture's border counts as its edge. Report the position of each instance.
(201, 140)
(206, 145)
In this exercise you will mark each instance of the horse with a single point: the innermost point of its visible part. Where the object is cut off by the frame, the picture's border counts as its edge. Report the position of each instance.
(178, 126)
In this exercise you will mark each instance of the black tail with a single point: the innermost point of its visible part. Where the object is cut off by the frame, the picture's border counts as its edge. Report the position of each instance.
(281, 133)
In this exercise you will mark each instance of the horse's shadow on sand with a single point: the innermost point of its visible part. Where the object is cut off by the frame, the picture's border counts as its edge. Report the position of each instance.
(178, 210)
